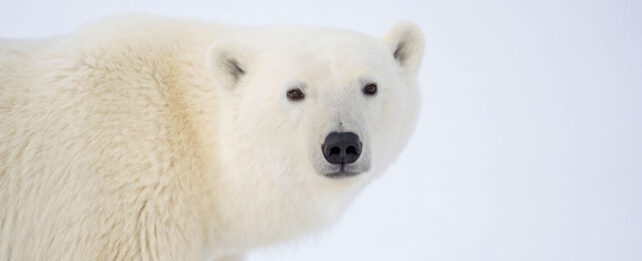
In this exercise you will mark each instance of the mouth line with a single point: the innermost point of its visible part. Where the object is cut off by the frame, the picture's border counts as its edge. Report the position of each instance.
(342, 173)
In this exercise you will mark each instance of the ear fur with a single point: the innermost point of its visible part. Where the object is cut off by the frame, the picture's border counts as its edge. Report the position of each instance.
(406, 44)
(229, 61)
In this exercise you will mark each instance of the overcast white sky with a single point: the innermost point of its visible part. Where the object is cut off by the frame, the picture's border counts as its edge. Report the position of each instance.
(529, 145)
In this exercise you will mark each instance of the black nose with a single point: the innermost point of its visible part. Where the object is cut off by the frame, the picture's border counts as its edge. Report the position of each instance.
(341, 147)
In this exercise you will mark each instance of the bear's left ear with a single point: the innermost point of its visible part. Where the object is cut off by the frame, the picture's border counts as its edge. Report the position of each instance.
(229, 62)
(406, 44)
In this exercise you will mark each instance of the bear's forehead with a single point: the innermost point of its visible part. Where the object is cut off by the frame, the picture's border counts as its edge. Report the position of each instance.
(321, 65)
(325, 50)
(320, 55)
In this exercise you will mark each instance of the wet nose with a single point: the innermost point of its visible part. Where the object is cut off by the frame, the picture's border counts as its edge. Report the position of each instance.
(341, 147)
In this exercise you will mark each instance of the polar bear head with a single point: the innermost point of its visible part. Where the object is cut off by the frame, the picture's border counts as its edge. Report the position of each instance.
(309, 111)
(301, 102)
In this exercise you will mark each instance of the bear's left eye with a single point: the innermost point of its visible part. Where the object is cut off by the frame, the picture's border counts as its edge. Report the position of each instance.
(295, 94)
(370, 89)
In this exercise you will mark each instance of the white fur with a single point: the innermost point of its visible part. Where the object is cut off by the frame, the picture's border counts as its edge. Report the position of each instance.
(134, 138)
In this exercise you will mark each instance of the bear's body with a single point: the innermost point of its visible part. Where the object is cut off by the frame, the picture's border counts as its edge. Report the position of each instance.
(150, 138)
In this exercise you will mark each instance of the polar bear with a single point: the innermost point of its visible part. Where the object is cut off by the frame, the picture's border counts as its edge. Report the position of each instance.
(162, 139)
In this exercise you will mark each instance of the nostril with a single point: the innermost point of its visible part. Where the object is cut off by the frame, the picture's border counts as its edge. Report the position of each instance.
(335, 150)
(351, 150)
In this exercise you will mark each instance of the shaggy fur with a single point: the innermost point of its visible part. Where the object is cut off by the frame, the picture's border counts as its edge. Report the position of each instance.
(159, 139)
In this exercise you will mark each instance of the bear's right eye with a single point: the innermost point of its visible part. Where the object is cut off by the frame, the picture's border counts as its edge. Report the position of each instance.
(295, 94)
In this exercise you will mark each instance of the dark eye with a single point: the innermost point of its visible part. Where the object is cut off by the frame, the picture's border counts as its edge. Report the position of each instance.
(370, 89)
(295, 94)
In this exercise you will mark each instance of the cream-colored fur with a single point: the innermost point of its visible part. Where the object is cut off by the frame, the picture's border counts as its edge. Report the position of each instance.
(134, 138)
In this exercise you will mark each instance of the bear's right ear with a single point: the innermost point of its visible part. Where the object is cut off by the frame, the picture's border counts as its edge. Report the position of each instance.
(229, 61)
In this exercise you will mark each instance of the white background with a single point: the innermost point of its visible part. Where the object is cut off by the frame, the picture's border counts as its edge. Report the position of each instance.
(529, 145)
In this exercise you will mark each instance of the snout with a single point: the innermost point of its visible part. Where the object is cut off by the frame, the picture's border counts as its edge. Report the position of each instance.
(341, 148)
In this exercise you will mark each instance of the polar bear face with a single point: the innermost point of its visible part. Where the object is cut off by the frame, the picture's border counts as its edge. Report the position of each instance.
(313, 107)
